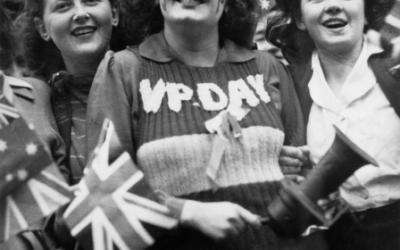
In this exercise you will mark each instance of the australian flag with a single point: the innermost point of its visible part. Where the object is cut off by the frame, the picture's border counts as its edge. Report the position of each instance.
(30, 185)
(114, 205)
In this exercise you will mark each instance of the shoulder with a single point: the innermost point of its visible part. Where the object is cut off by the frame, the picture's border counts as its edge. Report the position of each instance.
(125, 58)
(267, 61)
(273, 69)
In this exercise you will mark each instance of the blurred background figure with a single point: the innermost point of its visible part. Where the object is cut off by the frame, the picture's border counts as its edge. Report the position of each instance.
(389, 35)
(8, 44)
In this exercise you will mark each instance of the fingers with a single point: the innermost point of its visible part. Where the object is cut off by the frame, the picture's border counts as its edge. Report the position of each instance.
(296, 178)
(300, 153)
(290, 162)
(218, 220)
(249, 217)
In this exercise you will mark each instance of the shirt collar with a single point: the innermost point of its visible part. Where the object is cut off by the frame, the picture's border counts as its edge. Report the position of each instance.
(360, 80)
(155, 48)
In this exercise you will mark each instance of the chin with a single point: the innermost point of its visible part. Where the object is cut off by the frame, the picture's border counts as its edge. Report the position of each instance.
(340, 43)
(90, 50)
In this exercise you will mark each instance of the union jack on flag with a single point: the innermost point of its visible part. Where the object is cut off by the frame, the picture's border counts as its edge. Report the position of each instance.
(114, 202)
(30, 185)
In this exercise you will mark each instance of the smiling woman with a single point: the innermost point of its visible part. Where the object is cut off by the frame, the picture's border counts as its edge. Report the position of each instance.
(342, 79)
(64, 42)
(60, 33)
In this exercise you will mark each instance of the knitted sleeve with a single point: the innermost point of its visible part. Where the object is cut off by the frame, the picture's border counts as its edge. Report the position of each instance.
(281, 88)
(113, 96)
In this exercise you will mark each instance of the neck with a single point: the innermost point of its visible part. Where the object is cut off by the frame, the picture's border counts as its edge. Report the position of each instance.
(196, 47)
(337, 65)
(82, 66)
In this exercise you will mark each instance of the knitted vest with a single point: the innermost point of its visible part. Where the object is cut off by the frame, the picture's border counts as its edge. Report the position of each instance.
(174, 147)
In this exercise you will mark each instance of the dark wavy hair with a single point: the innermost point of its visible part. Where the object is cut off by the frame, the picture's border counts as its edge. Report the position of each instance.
(237, 22)
(283, 32)
(7, 41)
(44, 58)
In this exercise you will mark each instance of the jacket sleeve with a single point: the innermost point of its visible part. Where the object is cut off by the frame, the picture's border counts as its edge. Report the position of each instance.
(291, 114)
(281, 89)
(113, 96)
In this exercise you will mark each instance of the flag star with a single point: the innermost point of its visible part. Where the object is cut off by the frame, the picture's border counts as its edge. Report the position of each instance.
(22, 174)
(31, 148)
(9, 177)
(30, 126)
(3, 146)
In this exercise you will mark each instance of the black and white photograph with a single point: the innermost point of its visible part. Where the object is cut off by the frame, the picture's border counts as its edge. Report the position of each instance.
(200, 124)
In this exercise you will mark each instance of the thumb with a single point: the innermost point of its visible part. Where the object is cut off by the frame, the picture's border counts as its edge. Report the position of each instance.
(249, 217)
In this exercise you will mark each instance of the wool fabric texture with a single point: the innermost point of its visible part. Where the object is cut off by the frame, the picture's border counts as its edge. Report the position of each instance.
(159, 107)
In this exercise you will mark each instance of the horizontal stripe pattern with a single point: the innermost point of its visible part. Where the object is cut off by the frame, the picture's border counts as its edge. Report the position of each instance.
(178, 164)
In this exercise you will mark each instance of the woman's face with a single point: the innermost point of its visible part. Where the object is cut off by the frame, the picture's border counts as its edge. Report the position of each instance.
(78, 27)
(333, 24)
(196, 12)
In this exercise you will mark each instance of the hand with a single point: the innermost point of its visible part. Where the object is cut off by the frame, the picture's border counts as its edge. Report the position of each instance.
(218, 220)
(292, 159)
(331, 205)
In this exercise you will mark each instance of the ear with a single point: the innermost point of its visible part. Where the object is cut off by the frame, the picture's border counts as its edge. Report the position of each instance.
(115, 16)
(300, 24)
(41, 29)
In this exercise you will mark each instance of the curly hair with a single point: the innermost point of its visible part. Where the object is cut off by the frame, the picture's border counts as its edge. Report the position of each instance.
(44, 58)
(283, 32)
(7, 42)
(237, 22)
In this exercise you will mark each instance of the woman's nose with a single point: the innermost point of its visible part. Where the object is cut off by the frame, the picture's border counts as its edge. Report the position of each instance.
(333, 8)
(81, 14)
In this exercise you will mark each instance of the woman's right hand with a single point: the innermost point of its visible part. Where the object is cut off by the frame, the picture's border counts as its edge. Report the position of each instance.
(217, 220)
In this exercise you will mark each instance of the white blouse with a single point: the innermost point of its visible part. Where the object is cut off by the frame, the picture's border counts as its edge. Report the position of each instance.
(366, 116)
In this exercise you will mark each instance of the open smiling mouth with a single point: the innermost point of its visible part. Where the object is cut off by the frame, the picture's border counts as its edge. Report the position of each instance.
(191, 1)
(334, 23)
(85, 30)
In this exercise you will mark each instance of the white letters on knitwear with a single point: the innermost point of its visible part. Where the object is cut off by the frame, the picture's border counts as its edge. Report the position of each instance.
(211, 96)
(205, 90)
(152, 98)
(257, 82)
(178, 92)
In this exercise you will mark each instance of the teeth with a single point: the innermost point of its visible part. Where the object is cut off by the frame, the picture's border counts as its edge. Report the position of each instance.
(82, 31)
(334, 23)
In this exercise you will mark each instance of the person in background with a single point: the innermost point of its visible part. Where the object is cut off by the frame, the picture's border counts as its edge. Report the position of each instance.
(64, 42)
(31, 98)
(343, 79)
(8, 48)
(204, 117)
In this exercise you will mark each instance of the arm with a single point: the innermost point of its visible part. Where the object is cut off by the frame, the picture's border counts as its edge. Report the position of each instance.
(113, 96)
(281, 89)
(217, 220)
(293, 156)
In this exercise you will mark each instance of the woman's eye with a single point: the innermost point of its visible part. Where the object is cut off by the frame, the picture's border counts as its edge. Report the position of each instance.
(62, 6)
(91, 2)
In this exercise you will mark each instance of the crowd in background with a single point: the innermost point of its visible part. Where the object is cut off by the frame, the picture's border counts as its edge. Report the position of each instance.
(171, 87)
